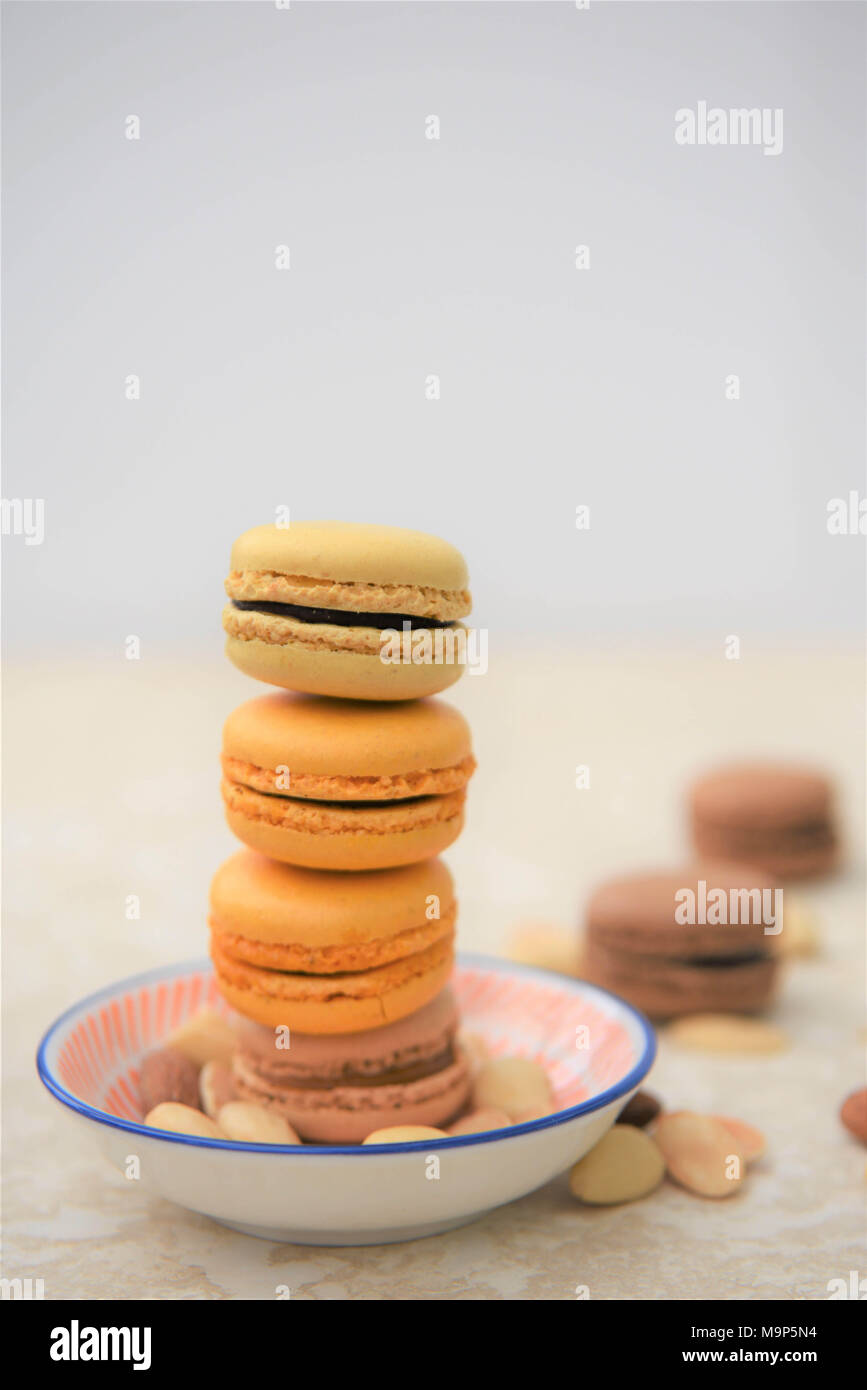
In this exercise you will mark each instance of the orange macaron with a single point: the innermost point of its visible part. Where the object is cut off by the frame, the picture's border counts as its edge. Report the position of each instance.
(346, 784)
(328, 952)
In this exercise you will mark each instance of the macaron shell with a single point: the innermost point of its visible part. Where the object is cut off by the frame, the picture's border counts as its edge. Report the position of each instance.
(352, 551)
(306, 786)
(664, 988)
(636, 914)
(342, 959)
(347, 738)
(787, 858)
(780, 817)
(351, 1058)
(352, 849)
(761, 796)
(339, 673)
(266, 901)
(266, 996)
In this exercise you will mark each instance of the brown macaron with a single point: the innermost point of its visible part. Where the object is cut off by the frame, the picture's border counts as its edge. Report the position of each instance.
(778, 817)
(339, 1088)
(692, 940)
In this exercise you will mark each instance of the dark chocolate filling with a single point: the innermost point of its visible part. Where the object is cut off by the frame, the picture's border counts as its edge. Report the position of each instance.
(818, 832)
(349, 1076)
(341, 617)
(725, 962)
(362, 805)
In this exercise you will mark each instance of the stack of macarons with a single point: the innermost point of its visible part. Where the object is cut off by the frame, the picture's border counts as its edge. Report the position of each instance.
(332, 931)
(755, 826)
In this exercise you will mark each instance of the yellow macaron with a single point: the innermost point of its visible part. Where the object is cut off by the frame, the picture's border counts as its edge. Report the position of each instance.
(346, 609)
(346, 784)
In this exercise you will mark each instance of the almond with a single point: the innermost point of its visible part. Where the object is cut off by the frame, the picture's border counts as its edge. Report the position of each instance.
(727, 1033)
(700, 1153)
(626, 1164)
(800, 937)
(478, 1121)
(514, 1084)
(404, 1134)
(216, 1087)
(206, 1037)
(751, 1140)
(474, 1048)
(181, 1119)
(247, 1123)
(168, 1075)
(853, 1113)
(640, 1110)
(545, 946)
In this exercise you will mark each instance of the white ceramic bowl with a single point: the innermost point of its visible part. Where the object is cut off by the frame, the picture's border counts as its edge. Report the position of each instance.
(595, 1047)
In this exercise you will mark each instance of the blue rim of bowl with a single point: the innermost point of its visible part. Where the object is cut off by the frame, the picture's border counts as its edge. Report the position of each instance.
(457, 1141)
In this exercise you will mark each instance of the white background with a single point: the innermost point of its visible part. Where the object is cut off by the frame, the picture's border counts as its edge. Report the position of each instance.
(306, 387)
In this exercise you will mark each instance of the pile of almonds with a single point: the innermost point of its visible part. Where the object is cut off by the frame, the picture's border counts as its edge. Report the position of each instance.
(707, 1154)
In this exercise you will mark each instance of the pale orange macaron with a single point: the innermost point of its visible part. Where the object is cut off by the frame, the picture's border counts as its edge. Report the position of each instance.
(346, 784)
(328, 952)
(361, 612)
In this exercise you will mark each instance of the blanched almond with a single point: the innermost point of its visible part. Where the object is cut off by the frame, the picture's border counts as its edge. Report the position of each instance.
(751, 1140)
(404, 1134)
(800, 937)
(216, 1087)
(700, 1153)
(624, 1165)
(480, 1121)
(727, 1033)
(514, 1084)
(545, 946)
(533, 1112)
(247, 1123)
(182, 1119)
(474, 1048)
(206, 1037)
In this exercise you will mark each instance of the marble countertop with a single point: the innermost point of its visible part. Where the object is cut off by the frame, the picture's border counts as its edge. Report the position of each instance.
(112, 789)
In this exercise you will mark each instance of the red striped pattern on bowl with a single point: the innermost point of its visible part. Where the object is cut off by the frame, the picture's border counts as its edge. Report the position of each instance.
(583, 1041)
